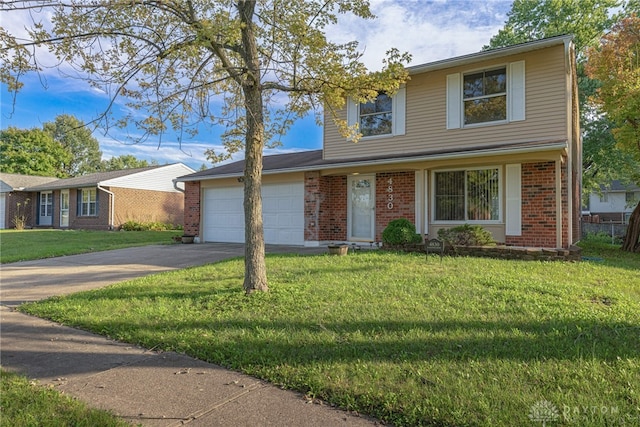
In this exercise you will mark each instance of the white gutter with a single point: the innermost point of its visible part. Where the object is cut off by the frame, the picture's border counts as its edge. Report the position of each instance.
(391, 161)
(112, 207)
(175, 186)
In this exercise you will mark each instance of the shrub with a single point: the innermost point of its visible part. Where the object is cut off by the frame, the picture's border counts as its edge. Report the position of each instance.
(466, 235)
(21, 217)
(132, 225)
(400, 232)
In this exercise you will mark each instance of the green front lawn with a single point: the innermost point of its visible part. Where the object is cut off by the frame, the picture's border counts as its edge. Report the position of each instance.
(36, 244)
(27, 405)
(462, 342)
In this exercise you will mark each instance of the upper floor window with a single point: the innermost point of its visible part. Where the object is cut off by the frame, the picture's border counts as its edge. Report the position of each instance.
(489, 96)
(376, 116)
(385, 116)
(88, 202)
(485, 96)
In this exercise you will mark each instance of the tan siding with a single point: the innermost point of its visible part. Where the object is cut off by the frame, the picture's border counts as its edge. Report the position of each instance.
(546, 112)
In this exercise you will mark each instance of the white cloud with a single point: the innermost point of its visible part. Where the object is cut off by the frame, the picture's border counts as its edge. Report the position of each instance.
(429, 30)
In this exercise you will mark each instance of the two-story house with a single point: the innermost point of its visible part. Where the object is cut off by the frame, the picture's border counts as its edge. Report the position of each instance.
(490, 138)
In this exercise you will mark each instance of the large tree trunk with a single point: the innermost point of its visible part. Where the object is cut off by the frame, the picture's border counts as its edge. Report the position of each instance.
(255, 269)
(632, 238)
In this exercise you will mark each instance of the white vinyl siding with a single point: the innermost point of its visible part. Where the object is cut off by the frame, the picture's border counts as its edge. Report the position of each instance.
(426, 125)
(157, 179)
(513, 205)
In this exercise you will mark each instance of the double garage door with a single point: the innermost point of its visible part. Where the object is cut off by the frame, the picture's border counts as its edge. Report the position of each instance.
(282, 212)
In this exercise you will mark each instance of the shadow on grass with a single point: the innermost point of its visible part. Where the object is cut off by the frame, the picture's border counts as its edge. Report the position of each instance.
(276, 342)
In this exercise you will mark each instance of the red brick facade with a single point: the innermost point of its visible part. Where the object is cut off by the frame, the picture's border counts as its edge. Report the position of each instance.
(539, 206)
(326, 205)
(130, 204)
(192, 208)
(395, 198)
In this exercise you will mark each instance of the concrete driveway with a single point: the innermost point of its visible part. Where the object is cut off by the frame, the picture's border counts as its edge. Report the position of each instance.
(39, 279)
(142, 386)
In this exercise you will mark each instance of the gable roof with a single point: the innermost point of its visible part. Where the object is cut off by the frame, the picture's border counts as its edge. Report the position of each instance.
(89, 180)
(14, 181)
(491, 54)
(618, 186)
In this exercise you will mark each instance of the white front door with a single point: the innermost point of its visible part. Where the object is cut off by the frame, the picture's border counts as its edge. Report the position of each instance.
(64, 208)
(361, 209)
(45, 210)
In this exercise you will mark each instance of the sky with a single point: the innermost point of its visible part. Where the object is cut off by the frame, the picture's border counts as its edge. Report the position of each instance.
(428, 30)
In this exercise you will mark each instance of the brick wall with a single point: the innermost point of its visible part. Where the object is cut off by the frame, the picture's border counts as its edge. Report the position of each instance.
(98, 222)
(147, 206)
(11, 207)
(192, 208)
(312, 201)
(538, 206)
(395, 198)
(326, 201)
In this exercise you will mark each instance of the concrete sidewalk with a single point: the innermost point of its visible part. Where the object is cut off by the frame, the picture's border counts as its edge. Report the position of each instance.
(141, 386)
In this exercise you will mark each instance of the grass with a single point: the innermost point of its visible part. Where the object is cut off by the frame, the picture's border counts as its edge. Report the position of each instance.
(36, 244)
(462, 342)
(26, 404)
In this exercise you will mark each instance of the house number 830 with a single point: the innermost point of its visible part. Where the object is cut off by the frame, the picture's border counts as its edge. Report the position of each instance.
(390, 193)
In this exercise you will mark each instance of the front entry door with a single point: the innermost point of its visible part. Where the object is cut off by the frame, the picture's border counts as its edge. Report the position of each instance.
(361, 209)
(45, 210)
(64, 208)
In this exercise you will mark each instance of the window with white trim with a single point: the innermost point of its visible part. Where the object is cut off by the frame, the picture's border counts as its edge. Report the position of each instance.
(385, 116)
(493, 95)
(485, 96)
(88, 202)
(467, 195)
(376, 117)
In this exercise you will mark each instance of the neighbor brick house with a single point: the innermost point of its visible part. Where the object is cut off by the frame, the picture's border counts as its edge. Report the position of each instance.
(106, 200)
(490, 138)
(14, 201)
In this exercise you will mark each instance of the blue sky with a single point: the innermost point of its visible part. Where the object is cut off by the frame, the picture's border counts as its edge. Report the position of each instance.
(429, 30)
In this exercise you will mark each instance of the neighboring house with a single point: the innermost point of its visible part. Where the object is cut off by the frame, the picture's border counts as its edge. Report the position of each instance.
(490, 138)
(106, 200)
(13, 200)
(614, 203)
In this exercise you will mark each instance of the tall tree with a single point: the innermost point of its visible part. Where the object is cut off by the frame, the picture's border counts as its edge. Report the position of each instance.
(73, 136)
(268, 62)
(125, 161)
(615, 63)
(32, 152)
(586, 20)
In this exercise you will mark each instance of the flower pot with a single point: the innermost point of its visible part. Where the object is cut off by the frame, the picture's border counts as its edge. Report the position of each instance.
(187, 239)
(338, 249)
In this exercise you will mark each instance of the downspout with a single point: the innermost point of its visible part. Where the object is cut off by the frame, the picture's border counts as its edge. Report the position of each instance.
(175, 185)
(112, 207)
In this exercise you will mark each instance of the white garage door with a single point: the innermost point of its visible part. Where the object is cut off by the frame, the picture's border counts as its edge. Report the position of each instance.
(282, 212)
(2, 210)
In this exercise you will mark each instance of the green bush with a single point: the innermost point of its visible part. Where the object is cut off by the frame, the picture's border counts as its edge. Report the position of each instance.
(400, 232)
(132, 225)
(466, 235)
